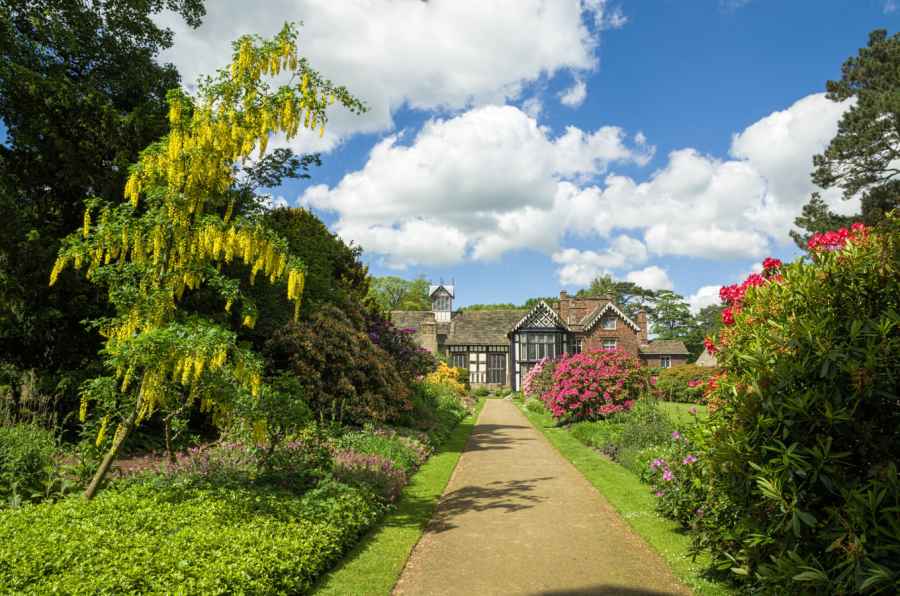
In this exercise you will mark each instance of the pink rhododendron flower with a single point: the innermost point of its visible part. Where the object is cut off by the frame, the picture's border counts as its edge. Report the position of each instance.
(710, 346)
(771, 264)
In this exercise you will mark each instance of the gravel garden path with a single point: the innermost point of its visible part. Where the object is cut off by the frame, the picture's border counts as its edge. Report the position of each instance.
(517, 518)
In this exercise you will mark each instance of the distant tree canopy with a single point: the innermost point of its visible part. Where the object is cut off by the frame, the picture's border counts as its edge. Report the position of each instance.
(395, 293)
(81, 93)
(629, 296)
(862, 158)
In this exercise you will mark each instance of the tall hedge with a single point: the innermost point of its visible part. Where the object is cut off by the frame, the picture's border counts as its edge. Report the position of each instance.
(805, 425)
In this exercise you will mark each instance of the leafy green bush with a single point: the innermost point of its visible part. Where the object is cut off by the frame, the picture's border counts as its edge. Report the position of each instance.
(482, 392)
(406, 452)
(631, 437)
(805, 428)
(463, 375)
(685, 384)
(436, 409)
(343, 375)
(28, 467)
(375, 473)
(156, 536)
(535, 406)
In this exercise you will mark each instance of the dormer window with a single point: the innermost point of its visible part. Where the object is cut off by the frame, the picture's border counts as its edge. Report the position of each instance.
(608, 323)
(441, 303)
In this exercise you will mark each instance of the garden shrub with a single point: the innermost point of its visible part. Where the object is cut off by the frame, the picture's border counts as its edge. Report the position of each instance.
(685, 384)
(462, 375)
(28, 467)
(447, 376)
(343, 375)
(535, 406)
(594, 385)
(679, 479)
(436, 409)
(482, 392)
(539, 379)
(370, 472)
(805, 427)
(161, 535)
(405, 452)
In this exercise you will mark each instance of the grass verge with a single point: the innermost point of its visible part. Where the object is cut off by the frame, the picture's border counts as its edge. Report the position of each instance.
(633, 501)
(680, 413)
(374, 566)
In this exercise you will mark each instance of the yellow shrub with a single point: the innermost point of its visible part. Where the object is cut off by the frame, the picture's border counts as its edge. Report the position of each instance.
(445, 375)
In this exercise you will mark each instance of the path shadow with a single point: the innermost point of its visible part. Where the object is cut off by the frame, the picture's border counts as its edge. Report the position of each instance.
(605, 590)
(510, 496)
(486, 437)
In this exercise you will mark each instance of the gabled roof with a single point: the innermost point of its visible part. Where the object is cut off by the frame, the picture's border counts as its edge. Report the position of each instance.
(482, 327)
(540, 316)
(598, 313)
(665, 347)
(450, 289)
(707, 359)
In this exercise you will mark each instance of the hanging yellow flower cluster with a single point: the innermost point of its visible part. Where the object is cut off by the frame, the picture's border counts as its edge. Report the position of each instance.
(180, 225)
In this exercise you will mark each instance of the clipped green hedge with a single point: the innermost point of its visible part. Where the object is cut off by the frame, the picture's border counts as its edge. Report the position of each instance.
(156, 537)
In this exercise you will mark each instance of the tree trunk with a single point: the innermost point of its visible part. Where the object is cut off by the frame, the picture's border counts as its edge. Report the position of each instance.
(100, 474)
(167, 425)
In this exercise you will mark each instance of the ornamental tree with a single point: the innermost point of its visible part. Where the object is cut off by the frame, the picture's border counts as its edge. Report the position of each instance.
(181, 222)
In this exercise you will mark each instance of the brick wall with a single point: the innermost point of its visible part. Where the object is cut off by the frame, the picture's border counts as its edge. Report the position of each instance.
(626, 338)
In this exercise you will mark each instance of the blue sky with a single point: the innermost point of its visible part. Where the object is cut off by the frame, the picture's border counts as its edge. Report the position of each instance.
(521, 147)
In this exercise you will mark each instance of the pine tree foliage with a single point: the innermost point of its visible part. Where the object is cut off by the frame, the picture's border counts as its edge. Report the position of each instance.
(180, 224)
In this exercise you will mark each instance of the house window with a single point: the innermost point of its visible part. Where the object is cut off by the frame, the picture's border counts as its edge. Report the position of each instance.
(608, 323)
(665, 361)
(441, 303)
(540, 345)
(458, 360)
(477, 367)
(609, 344)
(578, 345)
(496, 368)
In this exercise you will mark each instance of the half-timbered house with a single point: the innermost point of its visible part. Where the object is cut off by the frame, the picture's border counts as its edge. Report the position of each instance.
(499, 347)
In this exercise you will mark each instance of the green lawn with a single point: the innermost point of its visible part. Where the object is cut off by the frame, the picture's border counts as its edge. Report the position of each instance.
(633, 501)
(375, 564)
(680, 413)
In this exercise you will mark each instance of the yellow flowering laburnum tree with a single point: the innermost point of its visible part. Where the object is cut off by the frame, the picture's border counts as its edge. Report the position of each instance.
(179, 229)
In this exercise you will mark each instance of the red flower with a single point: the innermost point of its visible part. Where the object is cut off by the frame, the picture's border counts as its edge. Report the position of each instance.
(771, 264)
(728, 316)
(710, 346)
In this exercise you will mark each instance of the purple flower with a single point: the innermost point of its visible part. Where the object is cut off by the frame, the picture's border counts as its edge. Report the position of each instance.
(693, 411)
(659, 493)
(676, 435)
(657, 463)
(667, 475)
(689, 460)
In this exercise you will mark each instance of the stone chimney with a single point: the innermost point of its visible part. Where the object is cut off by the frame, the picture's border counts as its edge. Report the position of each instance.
(642, 323)
(564, 305)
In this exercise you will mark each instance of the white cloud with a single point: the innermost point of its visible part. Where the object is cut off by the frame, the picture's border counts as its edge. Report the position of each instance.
(533, 106)
(575, 95)
(440, 54)
(651, 278)
(579, 268)
(703, 297)
(491, 175)
(604, 17)
(493, 180)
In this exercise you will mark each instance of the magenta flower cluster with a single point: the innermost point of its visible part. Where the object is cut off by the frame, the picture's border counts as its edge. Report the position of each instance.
(528, 384)
(595, 385)
(375, 471)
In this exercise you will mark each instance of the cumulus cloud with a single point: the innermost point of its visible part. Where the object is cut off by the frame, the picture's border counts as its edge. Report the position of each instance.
(575, 95)
(579, 268)
(493, 181)
(652, 278)
(491, 175)
(440, 54)
(703, 297)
